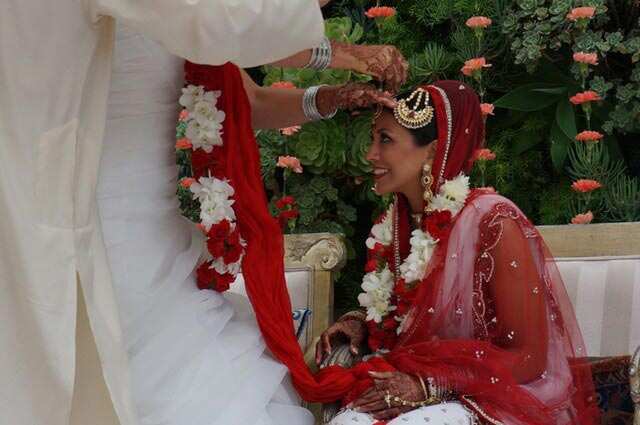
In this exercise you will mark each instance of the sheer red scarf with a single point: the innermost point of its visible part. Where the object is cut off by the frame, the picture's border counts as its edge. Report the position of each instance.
(438, 346)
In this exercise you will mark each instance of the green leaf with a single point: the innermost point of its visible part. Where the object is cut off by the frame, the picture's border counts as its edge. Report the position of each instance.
(566, 118)
(559, 146)
(531, 97)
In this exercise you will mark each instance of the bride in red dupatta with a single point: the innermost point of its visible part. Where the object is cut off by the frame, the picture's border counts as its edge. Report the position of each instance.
(488, 324)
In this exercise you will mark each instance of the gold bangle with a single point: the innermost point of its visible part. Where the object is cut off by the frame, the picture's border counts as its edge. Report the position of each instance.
(424, 388)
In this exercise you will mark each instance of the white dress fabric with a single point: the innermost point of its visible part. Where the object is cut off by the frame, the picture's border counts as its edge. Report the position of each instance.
(196, 357)
(55, 71)
(439, 414)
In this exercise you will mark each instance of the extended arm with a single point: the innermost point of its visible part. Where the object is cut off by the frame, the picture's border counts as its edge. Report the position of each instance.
(519, 293)
(246, 32)
(279, 108)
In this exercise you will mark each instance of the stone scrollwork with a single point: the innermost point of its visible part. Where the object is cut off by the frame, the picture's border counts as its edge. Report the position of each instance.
(321, 251)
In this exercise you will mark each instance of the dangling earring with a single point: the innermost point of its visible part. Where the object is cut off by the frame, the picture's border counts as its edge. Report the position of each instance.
(427, 182)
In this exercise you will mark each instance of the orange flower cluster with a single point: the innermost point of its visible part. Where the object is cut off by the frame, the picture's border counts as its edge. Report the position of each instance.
(585, 185)
(486, 109)
(484, 155)
(283, 85)
(589, 136)
(380, 12)
(587, 58)
(183, 143)
(187, 182)
(478, 22)
(290, 131)
(584, 97)
(473, 65)
(581, 13)
(585, 218)
(290, 162)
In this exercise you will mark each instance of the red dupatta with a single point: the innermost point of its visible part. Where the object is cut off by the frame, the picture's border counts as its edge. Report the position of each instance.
(445, 353)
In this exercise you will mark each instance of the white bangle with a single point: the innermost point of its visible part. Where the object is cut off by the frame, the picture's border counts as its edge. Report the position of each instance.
(310, 107)
(321, 56)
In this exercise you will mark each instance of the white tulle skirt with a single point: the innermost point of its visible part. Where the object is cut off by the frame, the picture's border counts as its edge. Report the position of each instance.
(197, 357)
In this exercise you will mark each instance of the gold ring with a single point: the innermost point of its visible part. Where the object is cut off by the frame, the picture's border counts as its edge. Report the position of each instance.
(387, 399)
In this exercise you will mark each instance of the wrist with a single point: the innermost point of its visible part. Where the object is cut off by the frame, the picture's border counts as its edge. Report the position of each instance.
(327, 100)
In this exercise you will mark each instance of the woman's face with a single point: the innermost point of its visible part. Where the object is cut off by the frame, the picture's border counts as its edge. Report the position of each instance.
(397, 160)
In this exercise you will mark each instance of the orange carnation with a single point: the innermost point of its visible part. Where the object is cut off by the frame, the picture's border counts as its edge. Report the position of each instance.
(589, 136)
(183, 143)
(187, 182)
(290, 131)
(584, 97)
(585, 218)
(290, 162)
(478, 22)
(588, 58)
(484, 155)
(473, 65)
(283, 85)
(585, 185)
(380, 12)
(486, 109)
(581, 13)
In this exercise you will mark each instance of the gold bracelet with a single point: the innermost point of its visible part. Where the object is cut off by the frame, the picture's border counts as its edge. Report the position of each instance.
(424, 387)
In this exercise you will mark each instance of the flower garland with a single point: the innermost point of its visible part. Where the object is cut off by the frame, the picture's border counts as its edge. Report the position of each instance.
(387, 298)
(208, 201)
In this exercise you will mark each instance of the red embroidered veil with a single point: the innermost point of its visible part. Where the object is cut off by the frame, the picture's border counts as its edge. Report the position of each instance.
(491, 320)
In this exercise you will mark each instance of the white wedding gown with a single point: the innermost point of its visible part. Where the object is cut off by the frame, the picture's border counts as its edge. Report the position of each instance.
(197, 357)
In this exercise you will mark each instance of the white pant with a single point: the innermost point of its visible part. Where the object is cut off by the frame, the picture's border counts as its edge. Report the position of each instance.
(439, 414)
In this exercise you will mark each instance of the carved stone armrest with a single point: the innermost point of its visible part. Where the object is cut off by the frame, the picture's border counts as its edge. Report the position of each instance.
(634, 384)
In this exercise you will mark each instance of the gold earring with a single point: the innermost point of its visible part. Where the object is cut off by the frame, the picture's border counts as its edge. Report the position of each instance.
(427, 182)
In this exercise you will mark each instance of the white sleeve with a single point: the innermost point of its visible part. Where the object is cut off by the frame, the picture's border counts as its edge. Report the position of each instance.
(246, 32)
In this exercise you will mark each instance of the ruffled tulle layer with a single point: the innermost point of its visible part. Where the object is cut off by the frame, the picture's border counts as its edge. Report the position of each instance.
(197, 357)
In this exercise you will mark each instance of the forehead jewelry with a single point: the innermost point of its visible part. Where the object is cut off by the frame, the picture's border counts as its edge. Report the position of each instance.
(417, 116)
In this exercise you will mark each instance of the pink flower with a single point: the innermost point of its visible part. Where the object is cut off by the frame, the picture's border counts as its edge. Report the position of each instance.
(581, 13)
(486, 109)
(187, 182)
(473, 65)
(184, 115)
(585, 185)
(478, 22)
(588, 58)
(584, 97)
(380, 12)
(290, 162)
(484, 155)
(585, 218)
(183, 143)
(283, 85)
(290, 131)
(589, 136)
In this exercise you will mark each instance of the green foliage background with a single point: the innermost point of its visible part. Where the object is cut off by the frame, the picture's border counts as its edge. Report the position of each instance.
(530, 46)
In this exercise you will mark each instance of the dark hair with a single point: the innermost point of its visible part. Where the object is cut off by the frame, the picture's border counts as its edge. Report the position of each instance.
(425, 135)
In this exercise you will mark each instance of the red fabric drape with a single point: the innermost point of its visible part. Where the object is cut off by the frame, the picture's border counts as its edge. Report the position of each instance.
(444, 346)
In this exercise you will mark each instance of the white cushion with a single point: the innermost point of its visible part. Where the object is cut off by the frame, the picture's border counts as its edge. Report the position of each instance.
(605, 292)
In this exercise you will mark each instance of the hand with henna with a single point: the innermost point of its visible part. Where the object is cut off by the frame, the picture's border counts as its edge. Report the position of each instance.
(351, 328)
(396, 384)
(351, 96)
(383, 63)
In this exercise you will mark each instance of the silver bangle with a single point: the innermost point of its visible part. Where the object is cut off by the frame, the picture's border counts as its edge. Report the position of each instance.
(321, 56)
(310, 107)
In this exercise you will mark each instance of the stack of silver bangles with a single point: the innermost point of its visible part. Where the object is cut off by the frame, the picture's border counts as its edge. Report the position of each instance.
(310, 107)
(321, 56)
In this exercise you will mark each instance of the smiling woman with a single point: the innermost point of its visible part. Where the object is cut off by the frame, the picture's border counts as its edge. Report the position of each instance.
(462, 305)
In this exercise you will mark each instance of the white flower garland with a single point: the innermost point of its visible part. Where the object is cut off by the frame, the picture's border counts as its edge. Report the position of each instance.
(203, 122)
(378, 285)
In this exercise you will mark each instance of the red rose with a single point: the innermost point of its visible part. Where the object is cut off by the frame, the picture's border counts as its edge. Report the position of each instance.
(371, 266)
(437, 224)
(283, 202)
(233, 248)
(209, 278)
